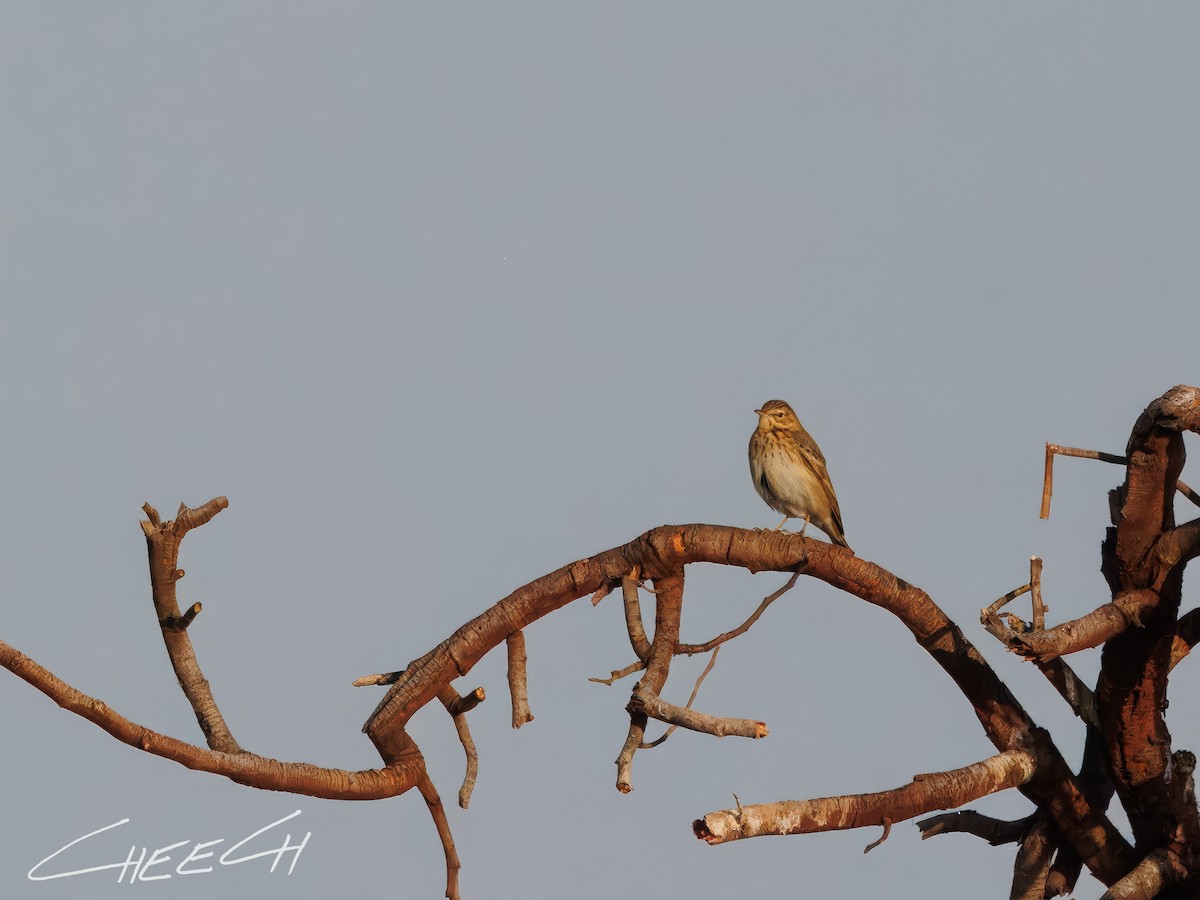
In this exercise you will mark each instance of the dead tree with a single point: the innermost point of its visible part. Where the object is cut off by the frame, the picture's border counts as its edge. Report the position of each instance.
(1128, 754)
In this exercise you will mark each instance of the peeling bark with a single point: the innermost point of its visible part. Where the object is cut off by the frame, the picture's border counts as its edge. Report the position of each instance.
(936, 790)
(1127, 752)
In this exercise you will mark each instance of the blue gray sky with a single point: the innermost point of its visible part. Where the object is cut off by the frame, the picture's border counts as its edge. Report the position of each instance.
(443, 296)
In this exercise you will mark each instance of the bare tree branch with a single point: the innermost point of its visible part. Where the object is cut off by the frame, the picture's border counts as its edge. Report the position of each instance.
(691, 649)
(1181, 544)
(967, 821)
(1035, 588)
(458, 707)
(1092, 630)
(936, 790)
(1048, 477)
(1159, 870)
(518, 684)
(633, 616)
(1032, 865)
(1135, 664)
(649, 704)
(244, 768)
(667, 611)
(669, 548)
(618, 674)
(438, 812)
(657, 742)
(1078, 695)
(1187, 634)
(162, 543)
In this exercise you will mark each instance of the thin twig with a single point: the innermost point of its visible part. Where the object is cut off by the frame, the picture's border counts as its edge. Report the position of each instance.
(618, 674)
(1187, 492)
(887, 829)
(381, 678)
(601, 592)
(691, 649)
(1005, 600)
(1048, 478)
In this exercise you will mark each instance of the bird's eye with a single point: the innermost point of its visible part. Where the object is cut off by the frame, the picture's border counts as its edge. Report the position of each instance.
(779, 415)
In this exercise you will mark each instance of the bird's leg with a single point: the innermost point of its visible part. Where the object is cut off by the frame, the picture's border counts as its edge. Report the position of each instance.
(779, 527)
(805, 525)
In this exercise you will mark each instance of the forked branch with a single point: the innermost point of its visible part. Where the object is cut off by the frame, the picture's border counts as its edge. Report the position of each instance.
(162, 545)
(244, 768)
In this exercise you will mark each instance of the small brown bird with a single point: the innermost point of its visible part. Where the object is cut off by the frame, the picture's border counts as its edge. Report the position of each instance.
(789, 471)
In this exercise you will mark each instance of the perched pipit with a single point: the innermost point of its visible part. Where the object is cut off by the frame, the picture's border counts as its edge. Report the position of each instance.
(789, 471)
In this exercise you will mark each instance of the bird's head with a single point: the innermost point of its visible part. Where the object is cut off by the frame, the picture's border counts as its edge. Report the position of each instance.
(776, 415)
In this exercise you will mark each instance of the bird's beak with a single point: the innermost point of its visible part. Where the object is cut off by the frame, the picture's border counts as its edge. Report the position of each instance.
(760, 412)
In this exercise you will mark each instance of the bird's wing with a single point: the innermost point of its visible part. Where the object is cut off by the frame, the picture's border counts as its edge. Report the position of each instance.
(816, 460)
(757, 474)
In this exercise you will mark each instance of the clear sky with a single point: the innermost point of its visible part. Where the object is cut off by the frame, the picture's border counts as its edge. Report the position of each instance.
(443, 296)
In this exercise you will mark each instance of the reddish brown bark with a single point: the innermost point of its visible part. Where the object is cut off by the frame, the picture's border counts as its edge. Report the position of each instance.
(244, 768)
(1132, 689)
(162, 545)
(668, 549)
(1128, 749)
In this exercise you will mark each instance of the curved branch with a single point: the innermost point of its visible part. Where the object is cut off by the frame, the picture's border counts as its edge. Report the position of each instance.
(692, 649)
(244, 768)
(458, 707)
(633, 616)
(1159, 870)
(937, 790)
(1180, 544)
(668, 549)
